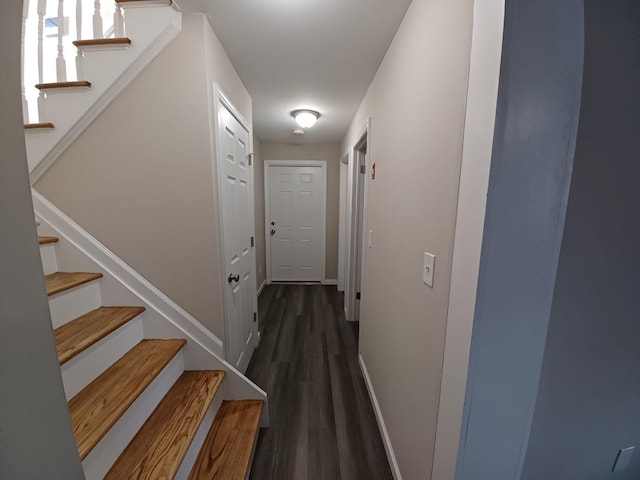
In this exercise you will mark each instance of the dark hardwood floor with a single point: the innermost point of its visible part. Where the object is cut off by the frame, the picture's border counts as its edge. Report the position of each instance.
(322, 424)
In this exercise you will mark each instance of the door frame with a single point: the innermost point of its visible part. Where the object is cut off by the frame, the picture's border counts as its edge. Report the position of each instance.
(221, 99)
(342, 222)
(267, 208)
(354, 183)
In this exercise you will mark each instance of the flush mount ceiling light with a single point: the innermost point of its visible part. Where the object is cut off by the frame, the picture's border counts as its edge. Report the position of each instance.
(305, 118)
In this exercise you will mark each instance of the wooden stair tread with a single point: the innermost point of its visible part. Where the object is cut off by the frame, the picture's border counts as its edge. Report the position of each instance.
(227, 450)
(150, 3)
(34, 126)
(102, 41)
(79, 83)
(159, 447)
(61, 281)
(81, 333)
(99, 405)
(46, 240)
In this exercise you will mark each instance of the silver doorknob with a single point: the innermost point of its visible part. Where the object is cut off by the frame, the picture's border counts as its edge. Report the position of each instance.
(273, 232)
(233, 278)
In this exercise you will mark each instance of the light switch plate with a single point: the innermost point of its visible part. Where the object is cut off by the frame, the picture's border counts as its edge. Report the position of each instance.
(428, 267)
(623, 459)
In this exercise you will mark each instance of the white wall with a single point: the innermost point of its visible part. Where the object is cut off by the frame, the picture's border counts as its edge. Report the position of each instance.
(140, 178)
(417, 106)
(329, 153)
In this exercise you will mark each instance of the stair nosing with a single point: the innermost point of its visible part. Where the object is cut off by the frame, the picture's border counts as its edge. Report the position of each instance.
(88, 277)
(35, 126)
(94, 336)
(102, 41)
(47, 240)
(62, 85)
(86, 397)
(163, 428)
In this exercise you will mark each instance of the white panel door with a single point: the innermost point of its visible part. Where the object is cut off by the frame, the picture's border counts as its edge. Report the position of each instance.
(296, 222)
(237, 225)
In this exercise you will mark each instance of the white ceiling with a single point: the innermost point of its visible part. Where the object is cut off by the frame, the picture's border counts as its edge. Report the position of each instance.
(290, 54)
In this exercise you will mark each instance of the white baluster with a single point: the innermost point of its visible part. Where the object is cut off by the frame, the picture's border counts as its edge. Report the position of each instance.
(97, 20)
(42, 10)
(61, 64)
(118, 22)
(25, 105)
(79, 37)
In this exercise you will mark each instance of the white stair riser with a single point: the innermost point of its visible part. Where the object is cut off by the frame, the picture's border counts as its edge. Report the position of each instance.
(201, 435)
(81, 370)
(48, 258)
(70, 304)
(107, 451)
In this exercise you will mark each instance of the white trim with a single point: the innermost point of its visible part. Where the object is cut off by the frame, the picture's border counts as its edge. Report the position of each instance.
(330, 281)
(342, 219)
(122, 272)
(386, 441)
(154, 48)
(264, 284)
(267, 208)
(350, 288)
(482, 94)
(221, 99)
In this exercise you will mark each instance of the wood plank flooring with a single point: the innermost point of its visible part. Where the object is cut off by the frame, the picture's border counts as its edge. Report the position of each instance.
(322, 424)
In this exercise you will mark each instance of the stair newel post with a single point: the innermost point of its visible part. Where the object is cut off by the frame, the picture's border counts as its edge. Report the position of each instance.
(79, 37)
(25, 105)
(42, 10)
(61, 65)
(118, 22)
(97, 20)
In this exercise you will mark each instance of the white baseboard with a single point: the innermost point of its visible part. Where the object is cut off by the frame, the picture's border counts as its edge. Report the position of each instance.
(330, 281)
(264, 284)
(391, 456)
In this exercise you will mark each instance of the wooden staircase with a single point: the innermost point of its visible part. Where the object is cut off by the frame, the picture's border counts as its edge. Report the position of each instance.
(140, 414)
(57, 110)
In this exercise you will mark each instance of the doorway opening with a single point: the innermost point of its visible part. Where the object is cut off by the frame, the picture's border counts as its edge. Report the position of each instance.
(356, 208)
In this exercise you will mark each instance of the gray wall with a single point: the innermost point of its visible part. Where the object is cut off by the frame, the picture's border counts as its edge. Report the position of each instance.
(36, 441)
(534, 142)
(588, 402)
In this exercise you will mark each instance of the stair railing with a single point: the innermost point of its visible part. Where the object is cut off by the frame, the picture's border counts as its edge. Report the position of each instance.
(49, 28)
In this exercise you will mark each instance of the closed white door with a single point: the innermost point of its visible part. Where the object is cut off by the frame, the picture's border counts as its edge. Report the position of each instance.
(237, 224)
(295, 221)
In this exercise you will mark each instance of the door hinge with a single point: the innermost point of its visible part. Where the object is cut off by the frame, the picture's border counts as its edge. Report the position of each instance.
(363, 169)
(358, 295)
(255, 317)
(251, 157)
(253, 241)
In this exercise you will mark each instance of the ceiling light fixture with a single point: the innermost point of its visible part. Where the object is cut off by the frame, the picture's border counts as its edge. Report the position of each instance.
(305, 118)
(297, 131)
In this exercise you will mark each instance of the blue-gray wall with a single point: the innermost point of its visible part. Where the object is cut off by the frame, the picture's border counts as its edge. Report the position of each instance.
(536, 128)
(589, 397)
(36, 440)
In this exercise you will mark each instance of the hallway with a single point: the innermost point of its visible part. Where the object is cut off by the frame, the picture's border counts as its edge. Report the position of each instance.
(322, 424)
